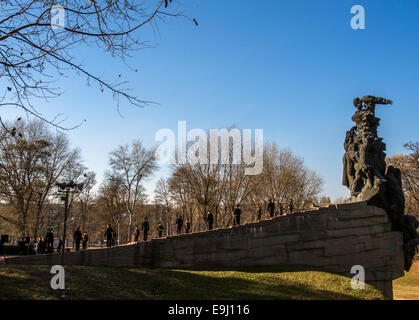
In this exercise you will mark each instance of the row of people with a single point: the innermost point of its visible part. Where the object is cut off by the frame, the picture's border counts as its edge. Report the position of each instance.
(180, 224)
(272, 210)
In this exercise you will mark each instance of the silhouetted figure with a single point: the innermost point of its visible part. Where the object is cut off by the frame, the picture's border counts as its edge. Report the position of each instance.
(187, 226)
(145, 227)
(179, 223)
(49, 238)
(281, 209)
(291, 206)
(136, 234)
(258, 213)
(210, 220)
(160, 229)
(84, 240)
(271, 208)
(60, 246)
(109, 235)
(237, 212)
(77, 238)
(41, 246)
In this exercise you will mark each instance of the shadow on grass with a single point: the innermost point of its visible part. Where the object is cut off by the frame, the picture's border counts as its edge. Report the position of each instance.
(111, 283)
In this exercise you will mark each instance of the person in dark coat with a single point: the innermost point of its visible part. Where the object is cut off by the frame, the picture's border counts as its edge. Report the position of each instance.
(84, 240)
(145, 228)
(42, 246)
(160, 229)
(271, 208)
(210, 220)
(236, 215)
(179, 223)
(77, 238)
(109, 235)
(49, 238)
(136, 234)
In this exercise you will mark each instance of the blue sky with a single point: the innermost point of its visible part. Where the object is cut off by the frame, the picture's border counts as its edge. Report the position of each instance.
(291, 68)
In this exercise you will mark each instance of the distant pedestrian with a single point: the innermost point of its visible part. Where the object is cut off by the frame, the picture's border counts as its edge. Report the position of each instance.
(84, 240)
(187, 226)
(49, 238)
(271, 208)
(60, 246)
(236, 215)
(137, 234)
(36, 246)
(160, 229)
(77, 238)
(179, 223)
(281, 209)
(291, 206)
(145, 228)
(41, 246)
(210, 220)
(109, 235)
(258, 213)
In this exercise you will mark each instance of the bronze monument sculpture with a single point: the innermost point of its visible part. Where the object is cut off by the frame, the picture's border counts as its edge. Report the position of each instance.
(367, 177)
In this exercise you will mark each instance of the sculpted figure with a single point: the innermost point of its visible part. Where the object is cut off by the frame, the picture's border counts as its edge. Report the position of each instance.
(366, 175)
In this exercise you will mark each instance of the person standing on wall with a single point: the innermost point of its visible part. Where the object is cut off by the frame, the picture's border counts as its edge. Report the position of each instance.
(236, 215)
(271, 208)
(109, 235)
(210, 220)
(187, 226)
(77, 238)
(258, 212)
(291, 206)
(160, 229)
(281, 209)
(136, 234)
(145, 228)
(179, 223)
(84, 240)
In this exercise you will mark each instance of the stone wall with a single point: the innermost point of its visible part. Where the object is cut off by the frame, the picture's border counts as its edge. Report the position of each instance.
(335, 238)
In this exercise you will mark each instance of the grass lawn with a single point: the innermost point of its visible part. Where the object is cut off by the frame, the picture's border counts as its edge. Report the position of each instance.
(407, 288)
(33, 282)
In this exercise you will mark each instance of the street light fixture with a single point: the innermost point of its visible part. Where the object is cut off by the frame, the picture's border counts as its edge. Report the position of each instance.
(65, 188)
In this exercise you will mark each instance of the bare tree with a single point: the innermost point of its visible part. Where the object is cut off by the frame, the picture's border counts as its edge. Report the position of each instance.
(284, 177)
(36, 51)
(162, 198)
(409, 167)
(30, 163)
(131, 164)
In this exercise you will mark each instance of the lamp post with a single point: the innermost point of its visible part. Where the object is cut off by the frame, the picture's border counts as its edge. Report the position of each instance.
(66, 188)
